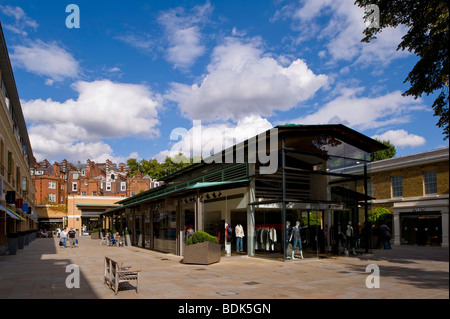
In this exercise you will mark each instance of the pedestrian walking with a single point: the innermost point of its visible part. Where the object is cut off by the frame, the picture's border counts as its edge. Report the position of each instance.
(72, 234)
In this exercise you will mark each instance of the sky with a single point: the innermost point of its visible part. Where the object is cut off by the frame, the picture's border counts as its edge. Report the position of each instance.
(117, 80)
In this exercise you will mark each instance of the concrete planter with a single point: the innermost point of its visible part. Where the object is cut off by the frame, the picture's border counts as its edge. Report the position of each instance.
(95, 235)
(12, 245)
(20, 241)
(127, 240)
(202, 253)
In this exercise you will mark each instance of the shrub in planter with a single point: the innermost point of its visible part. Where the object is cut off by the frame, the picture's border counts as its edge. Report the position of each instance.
(202, 248)
(200, 237)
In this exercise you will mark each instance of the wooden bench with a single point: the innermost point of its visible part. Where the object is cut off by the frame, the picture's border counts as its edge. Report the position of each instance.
(116, 273)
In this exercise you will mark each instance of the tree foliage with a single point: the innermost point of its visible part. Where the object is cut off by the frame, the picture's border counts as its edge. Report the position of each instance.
(380, 216)
(155, 169)
(383, 154)
(427, 37)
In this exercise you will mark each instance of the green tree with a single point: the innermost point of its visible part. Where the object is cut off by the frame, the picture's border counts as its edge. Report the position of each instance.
(134, 166)
(427, 37)
(380, 216)
(383, 154)
(152, 168)
(173, 164)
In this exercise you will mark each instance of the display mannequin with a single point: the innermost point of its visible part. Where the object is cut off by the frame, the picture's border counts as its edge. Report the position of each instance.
(288, 237)
(349, 242)
(239, 231)
(297, 239)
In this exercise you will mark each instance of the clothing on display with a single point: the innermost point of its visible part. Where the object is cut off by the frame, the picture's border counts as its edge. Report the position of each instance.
(266, 238)
(239, 231)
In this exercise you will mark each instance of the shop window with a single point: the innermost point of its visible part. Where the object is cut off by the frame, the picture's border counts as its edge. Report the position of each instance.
(430, 182)
(397, 186)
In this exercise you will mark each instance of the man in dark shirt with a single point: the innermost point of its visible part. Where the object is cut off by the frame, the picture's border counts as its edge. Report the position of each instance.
(72, 235)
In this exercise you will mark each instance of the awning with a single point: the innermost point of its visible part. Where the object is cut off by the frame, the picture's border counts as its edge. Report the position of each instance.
(13, 212)
(10, 214)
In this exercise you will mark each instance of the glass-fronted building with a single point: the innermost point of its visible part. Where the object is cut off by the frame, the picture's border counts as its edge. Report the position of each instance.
(288, 193)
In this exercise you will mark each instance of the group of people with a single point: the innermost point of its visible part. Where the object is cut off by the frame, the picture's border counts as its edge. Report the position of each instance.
(67, 235)
(114, 239)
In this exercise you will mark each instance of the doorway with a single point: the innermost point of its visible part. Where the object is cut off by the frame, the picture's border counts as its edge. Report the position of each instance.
(421, 230)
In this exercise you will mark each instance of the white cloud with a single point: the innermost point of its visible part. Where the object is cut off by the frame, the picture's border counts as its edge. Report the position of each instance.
(141, 42)
(209, 139)
(364, 112)
(243, 81)
(184, 34)
(103, 109)
(401, 138)
(21, 21)
(343, 32)
(49, 60)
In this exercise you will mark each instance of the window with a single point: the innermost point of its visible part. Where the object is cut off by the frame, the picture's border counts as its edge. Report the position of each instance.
(24, 184)
(52, 198)
(83, 193)
(397, 186)
(74, 186)
(430, 182)
(108, 186)
(52, 185)
(123, 186)
(10, 162)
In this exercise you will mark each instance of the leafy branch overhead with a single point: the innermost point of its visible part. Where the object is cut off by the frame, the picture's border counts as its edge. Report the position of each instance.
(427, 37)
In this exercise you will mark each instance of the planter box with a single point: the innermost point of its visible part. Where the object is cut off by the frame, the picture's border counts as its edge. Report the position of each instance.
(128, 240)
(12, 245)
(202, 253)
(20, 241)
(95, 235)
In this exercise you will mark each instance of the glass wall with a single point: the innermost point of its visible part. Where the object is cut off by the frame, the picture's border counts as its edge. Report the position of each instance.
(165, 231)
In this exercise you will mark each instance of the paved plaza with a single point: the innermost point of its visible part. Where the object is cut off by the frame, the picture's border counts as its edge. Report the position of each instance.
(39, 272)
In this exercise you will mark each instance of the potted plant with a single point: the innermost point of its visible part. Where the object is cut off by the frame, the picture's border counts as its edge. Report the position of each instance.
(127, 238)
(13, 239)
(20, 239)
(95, 234)
(202, 248)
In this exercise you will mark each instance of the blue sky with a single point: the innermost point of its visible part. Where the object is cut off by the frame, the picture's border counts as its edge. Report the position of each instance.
(132, 74)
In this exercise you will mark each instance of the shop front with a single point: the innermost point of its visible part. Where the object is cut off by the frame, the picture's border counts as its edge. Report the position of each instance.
(298, 210)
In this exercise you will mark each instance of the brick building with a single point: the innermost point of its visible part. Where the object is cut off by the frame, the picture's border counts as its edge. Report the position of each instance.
(88, 181)
(17, 193)
(416, 189)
